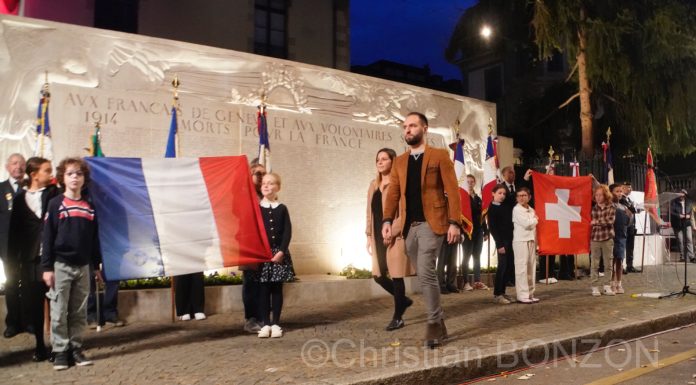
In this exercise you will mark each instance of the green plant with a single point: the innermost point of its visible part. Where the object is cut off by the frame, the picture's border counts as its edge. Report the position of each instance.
(164, 282)
(351, 272)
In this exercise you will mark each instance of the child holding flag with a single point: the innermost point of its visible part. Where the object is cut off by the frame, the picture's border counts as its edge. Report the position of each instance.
(272, 274)
(525, 220)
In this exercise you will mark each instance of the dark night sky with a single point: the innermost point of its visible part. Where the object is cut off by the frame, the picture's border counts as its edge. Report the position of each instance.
(414, 32)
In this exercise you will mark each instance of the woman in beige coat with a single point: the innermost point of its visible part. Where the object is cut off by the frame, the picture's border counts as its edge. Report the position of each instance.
(392, 258)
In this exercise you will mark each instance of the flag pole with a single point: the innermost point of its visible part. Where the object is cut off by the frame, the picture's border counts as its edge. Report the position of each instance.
(549, 169)
(490, 132)
(645, 222)
(175, 104)
(45, 95)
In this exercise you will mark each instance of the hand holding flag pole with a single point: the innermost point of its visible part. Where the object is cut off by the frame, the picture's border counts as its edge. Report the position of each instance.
(172, 151)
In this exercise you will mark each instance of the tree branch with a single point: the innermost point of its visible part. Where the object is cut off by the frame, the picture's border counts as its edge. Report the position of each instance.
(572, 71)
(570, 99)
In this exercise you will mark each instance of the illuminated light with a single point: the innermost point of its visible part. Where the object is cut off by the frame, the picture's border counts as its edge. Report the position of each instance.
(486, 32)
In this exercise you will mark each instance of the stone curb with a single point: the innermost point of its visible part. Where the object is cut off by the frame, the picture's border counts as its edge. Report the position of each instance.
(533, 352)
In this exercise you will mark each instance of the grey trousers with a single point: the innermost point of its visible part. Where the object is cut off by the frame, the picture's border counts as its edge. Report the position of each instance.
(689, 252)
(423, 248)
(68, 306)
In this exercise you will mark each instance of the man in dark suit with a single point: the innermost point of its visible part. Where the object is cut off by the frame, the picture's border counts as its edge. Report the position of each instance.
(680, 218)
(630, 240)
(511, 186)
(425, 191)
(15, 166)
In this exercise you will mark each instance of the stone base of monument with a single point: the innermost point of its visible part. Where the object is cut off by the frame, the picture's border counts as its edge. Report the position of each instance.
(154, 305)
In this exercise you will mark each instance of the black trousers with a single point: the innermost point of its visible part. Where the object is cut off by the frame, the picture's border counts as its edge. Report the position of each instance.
(447, 265)
(250, 296)
(271, 303)
(542, 266)
(189, 294)
(17, 317)
(108, 301)
(630, 244)
(505, 263)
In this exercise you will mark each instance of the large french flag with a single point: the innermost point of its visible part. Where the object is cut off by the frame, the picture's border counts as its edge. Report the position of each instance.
(173, 216)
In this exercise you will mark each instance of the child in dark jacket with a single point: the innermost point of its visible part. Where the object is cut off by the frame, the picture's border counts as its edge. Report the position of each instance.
(70, 244)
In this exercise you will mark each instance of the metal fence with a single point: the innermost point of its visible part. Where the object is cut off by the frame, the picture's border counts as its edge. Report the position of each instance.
(625, 170)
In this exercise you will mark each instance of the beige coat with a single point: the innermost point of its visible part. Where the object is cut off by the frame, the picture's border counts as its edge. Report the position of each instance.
(397, 262)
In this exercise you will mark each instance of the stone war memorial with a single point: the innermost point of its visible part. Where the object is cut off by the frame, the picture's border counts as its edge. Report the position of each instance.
(325, 125)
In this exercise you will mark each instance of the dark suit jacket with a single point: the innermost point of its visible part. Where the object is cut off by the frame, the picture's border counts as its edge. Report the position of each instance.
(6, 195)
(675, 211)
(511, 199)
(437, 179)
(26, 228)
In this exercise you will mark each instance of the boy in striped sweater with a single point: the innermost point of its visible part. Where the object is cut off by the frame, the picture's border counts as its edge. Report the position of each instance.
(70, 244)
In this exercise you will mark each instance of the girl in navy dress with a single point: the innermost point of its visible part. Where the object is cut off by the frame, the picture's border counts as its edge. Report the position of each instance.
(272, 274)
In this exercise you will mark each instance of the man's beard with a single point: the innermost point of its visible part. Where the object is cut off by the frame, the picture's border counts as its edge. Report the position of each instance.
(415, 139)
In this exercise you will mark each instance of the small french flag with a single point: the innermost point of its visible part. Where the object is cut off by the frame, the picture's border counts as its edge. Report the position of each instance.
(173, 216)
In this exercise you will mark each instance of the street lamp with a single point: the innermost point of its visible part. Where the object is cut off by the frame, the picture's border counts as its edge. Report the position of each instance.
(486, 31)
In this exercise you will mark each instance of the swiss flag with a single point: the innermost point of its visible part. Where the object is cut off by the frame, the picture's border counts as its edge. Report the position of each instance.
(563, 205)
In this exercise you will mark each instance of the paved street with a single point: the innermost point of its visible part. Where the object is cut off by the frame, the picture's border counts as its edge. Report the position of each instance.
(667, 358)
(347, 343)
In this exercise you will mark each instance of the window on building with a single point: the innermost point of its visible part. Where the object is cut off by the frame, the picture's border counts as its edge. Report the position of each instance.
(117, 15)
(270, 28)
(493, 81)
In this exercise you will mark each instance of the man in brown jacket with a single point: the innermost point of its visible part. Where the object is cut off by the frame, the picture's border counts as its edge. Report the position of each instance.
(424, 188)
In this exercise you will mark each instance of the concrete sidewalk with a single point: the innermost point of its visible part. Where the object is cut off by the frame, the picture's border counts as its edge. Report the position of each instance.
(346, 343)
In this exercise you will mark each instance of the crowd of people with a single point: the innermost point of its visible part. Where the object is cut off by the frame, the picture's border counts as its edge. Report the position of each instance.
(50, 247)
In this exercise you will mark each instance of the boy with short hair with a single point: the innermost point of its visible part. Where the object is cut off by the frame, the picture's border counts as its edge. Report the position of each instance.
(70, 244)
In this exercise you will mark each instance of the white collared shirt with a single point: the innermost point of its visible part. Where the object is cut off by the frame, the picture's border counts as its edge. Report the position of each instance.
(265, 203)
(33, 199)
(14, 183)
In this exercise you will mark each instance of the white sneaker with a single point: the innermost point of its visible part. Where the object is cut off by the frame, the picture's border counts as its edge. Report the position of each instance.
(601, 274)
(265, 332)
(199, 316)
(619, 289)
(499, 299)
(608, 291)
(185, 317)
(552, 280)
(468, 287)
(595, 291)
(276, 331)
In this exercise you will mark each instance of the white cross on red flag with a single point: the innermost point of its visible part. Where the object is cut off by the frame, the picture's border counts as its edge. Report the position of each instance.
(563, 205)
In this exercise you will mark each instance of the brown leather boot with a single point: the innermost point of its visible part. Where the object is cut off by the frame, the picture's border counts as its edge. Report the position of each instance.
(433, 335)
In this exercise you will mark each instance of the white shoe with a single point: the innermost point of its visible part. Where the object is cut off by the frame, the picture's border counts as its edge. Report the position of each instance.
(552, 280)
(608, 290)
(619, 289)
(601, 274)
(468, 287)
(199, 316)
(185, 317)
(595, 291)
(265, 332)
(276, 331)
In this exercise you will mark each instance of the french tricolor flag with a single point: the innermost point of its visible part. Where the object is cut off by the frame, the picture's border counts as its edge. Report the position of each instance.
(173, 216)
